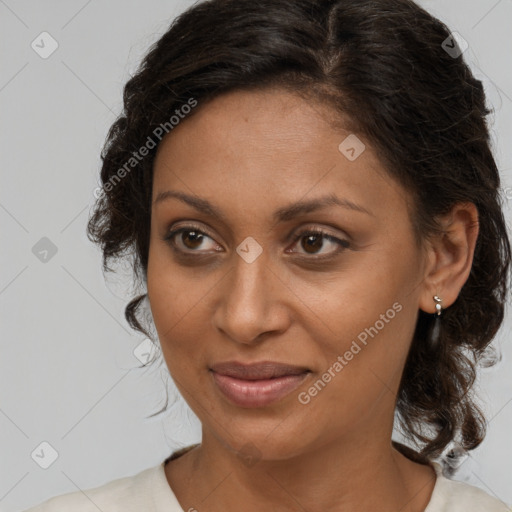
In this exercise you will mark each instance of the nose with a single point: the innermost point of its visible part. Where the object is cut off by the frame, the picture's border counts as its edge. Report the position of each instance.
(251, 301)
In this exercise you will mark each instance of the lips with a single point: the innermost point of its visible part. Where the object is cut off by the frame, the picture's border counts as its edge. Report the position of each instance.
(257, 384)
(257, 371)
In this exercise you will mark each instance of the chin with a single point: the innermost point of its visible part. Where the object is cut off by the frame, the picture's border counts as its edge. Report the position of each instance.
(254, 440)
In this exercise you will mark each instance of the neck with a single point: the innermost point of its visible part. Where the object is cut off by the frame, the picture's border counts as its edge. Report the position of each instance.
(362, 472)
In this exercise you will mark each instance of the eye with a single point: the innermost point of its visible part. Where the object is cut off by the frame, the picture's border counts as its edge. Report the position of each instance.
(314, 240)
(190, 239)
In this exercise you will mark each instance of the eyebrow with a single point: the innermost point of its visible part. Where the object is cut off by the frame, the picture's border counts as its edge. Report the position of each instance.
(281, 215)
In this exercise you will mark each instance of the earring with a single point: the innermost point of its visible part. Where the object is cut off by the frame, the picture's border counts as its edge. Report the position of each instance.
(436, 326)
(439, 306)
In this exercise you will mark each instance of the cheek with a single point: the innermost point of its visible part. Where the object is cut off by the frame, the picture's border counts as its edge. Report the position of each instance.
(362, 364)
(367, 337)
(367, 313)
(172, 299)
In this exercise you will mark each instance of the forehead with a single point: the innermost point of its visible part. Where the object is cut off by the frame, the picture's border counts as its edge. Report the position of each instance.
(269, 146)
(252, 123)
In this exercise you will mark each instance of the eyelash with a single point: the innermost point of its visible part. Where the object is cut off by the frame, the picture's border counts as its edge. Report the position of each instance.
(343, 244)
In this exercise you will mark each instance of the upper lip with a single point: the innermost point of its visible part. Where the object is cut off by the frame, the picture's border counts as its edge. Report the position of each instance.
(256, 371)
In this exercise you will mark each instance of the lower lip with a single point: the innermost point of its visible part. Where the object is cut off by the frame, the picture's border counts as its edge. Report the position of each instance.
(257, 393)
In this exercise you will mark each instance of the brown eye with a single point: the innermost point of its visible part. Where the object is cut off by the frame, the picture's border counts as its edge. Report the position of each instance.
(313, 241)
(190, 239)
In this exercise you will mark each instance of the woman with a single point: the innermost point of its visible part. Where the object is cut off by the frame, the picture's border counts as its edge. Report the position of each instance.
(313, 205)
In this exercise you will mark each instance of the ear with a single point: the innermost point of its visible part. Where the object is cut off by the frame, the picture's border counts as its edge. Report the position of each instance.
(450, 256)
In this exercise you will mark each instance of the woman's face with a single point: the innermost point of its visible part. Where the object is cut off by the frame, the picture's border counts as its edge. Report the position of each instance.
(253, 284)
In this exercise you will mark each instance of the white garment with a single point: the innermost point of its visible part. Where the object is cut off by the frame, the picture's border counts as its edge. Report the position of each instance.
(149, 491)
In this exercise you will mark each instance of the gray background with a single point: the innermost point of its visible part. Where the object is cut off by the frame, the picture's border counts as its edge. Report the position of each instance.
(67, 355)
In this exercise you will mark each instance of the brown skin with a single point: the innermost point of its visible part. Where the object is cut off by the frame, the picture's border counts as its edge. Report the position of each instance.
(251, 153)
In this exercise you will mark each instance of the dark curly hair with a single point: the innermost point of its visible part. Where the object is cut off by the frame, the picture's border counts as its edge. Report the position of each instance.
(384, 68)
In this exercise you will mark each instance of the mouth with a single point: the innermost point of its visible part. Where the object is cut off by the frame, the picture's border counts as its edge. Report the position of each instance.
(259, 384)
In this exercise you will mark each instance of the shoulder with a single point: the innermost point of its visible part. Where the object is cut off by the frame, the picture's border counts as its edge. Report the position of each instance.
(453, 496)
(123, 494)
